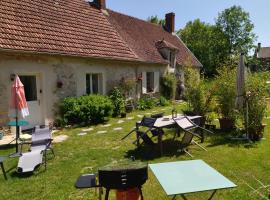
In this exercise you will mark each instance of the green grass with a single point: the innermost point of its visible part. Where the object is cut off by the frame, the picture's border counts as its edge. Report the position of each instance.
(238, 161)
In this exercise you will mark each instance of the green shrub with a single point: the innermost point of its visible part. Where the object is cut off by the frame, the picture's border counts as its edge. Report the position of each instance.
(118, 101)
(163, 101)
(146, 103)
(168, 86)
(90, 109)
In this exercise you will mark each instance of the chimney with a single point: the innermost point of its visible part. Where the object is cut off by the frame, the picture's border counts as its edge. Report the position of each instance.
(170, 22)
(99, 4)
(259, 46)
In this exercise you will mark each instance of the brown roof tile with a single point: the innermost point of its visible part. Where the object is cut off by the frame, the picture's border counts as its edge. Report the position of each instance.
(264, 52)
(142, 37)
(69, 27)
(73, 27)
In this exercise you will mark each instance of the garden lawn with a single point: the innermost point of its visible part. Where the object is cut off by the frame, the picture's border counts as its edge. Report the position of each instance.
(240, 162)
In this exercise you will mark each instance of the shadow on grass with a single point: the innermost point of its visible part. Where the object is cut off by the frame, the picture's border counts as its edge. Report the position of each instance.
(231, 139)
(7, 146)
(146, 152)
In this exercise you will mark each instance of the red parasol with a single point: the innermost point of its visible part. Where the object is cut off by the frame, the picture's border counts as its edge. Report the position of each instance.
(18, 105)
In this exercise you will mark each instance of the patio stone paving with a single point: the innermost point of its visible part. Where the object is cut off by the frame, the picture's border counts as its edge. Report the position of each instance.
(106, 125)
(100, 132)
(81, 134)
(87, 129)
(118, 129)
(60, 138)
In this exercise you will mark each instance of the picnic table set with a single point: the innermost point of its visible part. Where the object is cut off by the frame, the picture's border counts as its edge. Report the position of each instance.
(176, 178)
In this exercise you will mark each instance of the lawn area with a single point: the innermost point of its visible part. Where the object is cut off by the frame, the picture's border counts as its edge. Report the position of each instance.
(240, 162)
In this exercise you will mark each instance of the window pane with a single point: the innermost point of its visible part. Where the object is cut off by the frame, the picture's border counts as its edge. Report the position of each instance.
(150, 81)
(88, 84)
(30, 87)
(92, 83)
(95, 83)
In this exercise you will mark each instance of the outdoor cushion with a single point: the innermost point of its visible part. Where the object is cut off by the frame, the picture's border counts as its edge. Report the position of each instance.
(29, 161)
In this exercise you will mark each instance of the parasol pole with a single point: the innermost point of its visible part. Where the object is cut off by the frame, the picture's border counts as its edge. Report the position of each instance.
(16, 118)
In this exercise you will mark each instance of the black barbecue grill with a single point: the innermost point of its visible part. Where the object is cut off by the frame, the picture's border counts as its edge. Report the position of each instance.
(120, 178)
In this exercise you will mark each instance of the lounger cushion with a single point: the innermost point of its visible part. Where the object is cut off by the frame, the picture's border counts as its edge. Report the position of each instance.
(29, 161)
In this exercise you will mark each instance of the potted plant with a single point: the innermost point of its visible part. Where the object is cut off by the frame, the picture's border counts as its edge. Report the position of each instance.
(226, 97)
(256, 109)
(118, 101)
(200, 101)
(210, 117)
(129, 105)
(256, 105)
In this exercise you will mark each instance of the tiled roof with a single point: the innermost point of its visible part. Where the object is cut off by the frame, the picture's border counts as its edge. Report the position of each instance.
(142, 36)
(69, 27)
(164, 44)
(264, 52)
(73, 27)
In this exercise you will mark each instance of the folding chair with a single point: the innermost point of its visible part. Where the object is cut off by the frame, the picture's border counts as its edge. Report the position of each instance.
(189, 127)
(146, 122)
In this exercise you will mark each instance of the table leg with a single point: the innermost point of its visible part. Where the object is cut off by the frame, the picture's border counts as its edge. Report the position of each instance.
(212, 195)
(160, 143)
(184, 197)
(174, 197)
(3, 170)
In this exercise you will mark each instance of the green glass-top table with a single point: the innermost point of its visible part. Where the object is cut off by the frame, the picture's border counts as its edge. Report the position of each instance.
(183, 177)
(20, 123)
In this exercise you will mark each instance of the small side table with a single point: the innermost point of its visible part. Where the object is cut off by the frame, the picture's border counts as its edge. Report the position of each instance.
(2, 159)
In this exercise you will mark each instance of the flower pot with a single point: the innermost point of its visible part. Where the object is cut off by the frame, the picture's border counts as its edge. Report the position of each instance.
(210, 126)
(123, 115)
(129, 108)
(256, 133)
(226, 124)
(189, 113)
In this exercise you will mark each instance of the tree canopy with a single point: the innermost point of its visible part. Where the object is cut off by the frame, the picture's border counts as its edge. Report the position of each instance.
(156, 20)
(207, 42)
(215, 44)
(235, 23)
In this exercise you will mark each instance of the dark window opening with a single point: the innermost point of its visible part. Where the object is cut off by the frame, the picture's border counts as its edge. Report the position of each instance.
(92, 83)
(30, 87)
(150, 81)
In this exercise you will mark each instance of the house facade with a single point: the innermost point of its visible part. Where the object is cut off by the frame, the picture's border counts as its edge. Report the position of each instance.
(75, 47)
(263, 54)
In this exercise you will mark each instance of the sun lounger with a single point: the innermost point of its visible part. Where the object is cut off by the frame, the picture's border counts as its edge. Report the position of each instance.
(41, 143)
(29, 161)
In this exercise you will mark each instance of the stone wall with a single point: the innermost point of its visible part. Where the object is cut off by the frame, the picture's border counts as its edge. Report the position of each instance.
(70, 71)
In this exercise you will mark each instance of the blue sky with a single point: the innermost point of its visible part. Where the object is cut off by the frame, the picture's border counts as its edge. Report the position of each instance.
(206, 10)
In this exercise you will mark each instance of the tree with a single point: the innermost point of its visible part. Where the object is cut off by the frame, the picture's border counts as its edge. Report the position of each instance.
(235, 23)
(207, 42)
(156, 20)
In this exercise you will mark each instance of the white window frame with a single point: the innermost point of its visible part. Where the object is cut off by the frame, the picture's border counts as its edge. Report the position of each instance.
(91, 83)
(156, 82)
